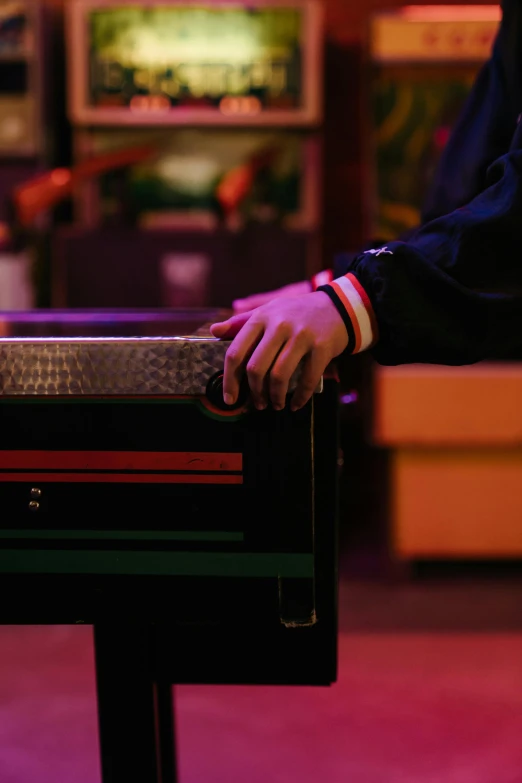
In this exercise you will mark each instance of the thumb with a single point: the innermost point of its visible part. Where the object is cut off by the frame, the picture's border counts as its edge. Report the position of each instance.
(229, 328)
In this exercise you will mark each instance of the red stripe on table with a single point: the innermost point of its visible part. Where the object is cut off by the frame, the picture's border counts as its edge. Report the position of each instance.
(121, 460)
(122, 478)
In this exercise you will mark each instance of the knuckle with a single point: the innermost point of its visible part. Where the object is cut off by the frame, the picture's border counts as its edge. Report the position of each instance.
(320, 347)
(283, 327)
(306, 335)
(233, 357)
(278, 377)
(254, 372)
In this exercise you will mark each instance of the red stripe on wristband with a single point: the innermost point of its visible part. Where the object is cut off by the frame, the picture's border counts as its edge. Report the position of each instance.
(368, 305)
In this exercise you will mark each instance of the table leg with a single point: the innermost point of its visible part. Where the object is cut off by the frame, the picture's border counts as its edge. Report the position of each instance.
(135, 714)
(166, 732)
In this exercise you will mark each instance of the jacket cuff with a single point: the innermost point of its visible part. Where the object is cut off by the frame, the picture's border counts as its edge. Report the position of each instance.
(354, 307)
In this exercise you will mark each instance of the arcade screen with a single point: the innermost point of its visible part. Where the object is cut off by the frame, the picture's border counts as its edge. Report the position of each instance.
(413, 115)
(229, 59)
(425, 60)
(14, 28)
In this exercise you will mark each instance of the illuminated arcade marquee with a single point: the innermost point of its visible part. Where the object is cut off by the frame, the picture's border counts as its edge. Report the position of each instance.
(217, 63)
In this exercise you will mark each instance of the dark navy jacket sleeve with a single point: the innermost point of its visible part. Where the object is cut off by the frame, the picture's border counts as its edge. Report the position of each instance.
(451, 291)
(486, 124)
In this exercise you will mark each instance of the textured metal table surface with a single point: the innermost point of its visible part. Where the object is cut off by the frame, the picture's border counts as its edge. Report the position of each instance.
(118, 366)
(64, 353)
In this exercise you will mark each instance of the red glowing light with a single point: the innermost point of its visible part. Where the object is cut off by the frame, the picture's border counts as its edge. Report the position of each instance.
(60, 177)
(441, 136)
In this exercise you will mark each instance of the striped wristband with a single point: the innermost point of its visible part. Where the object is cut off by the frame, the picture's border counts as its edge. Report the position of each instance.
(354, 307)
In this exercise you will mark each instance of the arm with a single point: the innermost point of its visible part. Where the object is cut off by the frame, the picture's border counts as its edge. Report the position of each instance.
(443, 292)
(452, 294)
(485, 125)
(448, 293)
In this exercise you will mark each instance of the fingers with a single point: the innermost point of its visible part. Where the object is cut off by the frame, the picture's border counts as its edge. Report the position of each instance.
(241, 306)
(268, 345)
(313, 368)
(270, 362)
(236, 358)
(260, 362)
(257, 300)
(283, 369)
(228, 329)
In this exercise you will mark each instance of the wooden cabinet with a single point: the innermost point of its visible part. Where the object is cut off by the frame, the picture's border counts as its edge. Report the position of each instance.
(455, 437)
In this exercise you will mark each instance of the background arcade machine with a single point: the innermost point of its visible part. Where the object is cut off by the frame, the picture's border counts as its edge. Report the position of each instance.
(455, 469)
(230, 96)
(28, 118)
(424, 60)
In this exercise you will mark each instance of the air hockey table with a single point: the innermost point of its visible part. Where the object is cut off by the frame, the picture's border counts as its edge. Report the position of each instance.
(199, 540)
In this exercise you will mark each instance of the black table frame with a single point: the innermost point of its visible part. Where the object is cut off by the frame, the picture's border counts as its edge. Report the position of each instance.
(136, 670)
(135, 711)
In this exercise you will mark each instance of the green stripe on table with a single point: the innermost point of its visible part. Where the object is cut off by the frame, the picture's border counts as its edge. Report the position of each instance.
(227, 564)
(127, 535)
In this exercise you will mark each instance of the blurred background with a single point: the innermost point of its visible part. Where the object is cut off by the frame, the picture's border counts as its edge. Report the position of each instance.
(161, 154)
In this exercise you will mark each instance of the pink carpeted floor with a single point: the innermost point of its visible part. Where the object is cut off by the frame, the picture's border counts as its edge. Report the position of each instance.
(410, 707)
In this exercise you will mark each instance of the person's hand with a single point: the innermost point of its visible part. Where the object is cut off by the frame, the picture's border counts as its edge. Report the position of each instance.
(270, 342)
(256, 300)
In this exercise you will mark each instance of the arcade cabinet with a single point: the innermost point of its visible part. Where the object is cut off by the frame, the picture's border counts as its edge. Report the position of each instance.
(25, 145)
(230, 97)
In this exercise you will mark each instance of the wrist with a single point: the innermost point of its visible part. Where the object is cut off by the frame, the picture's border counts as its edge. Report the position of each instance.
(304, 287)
